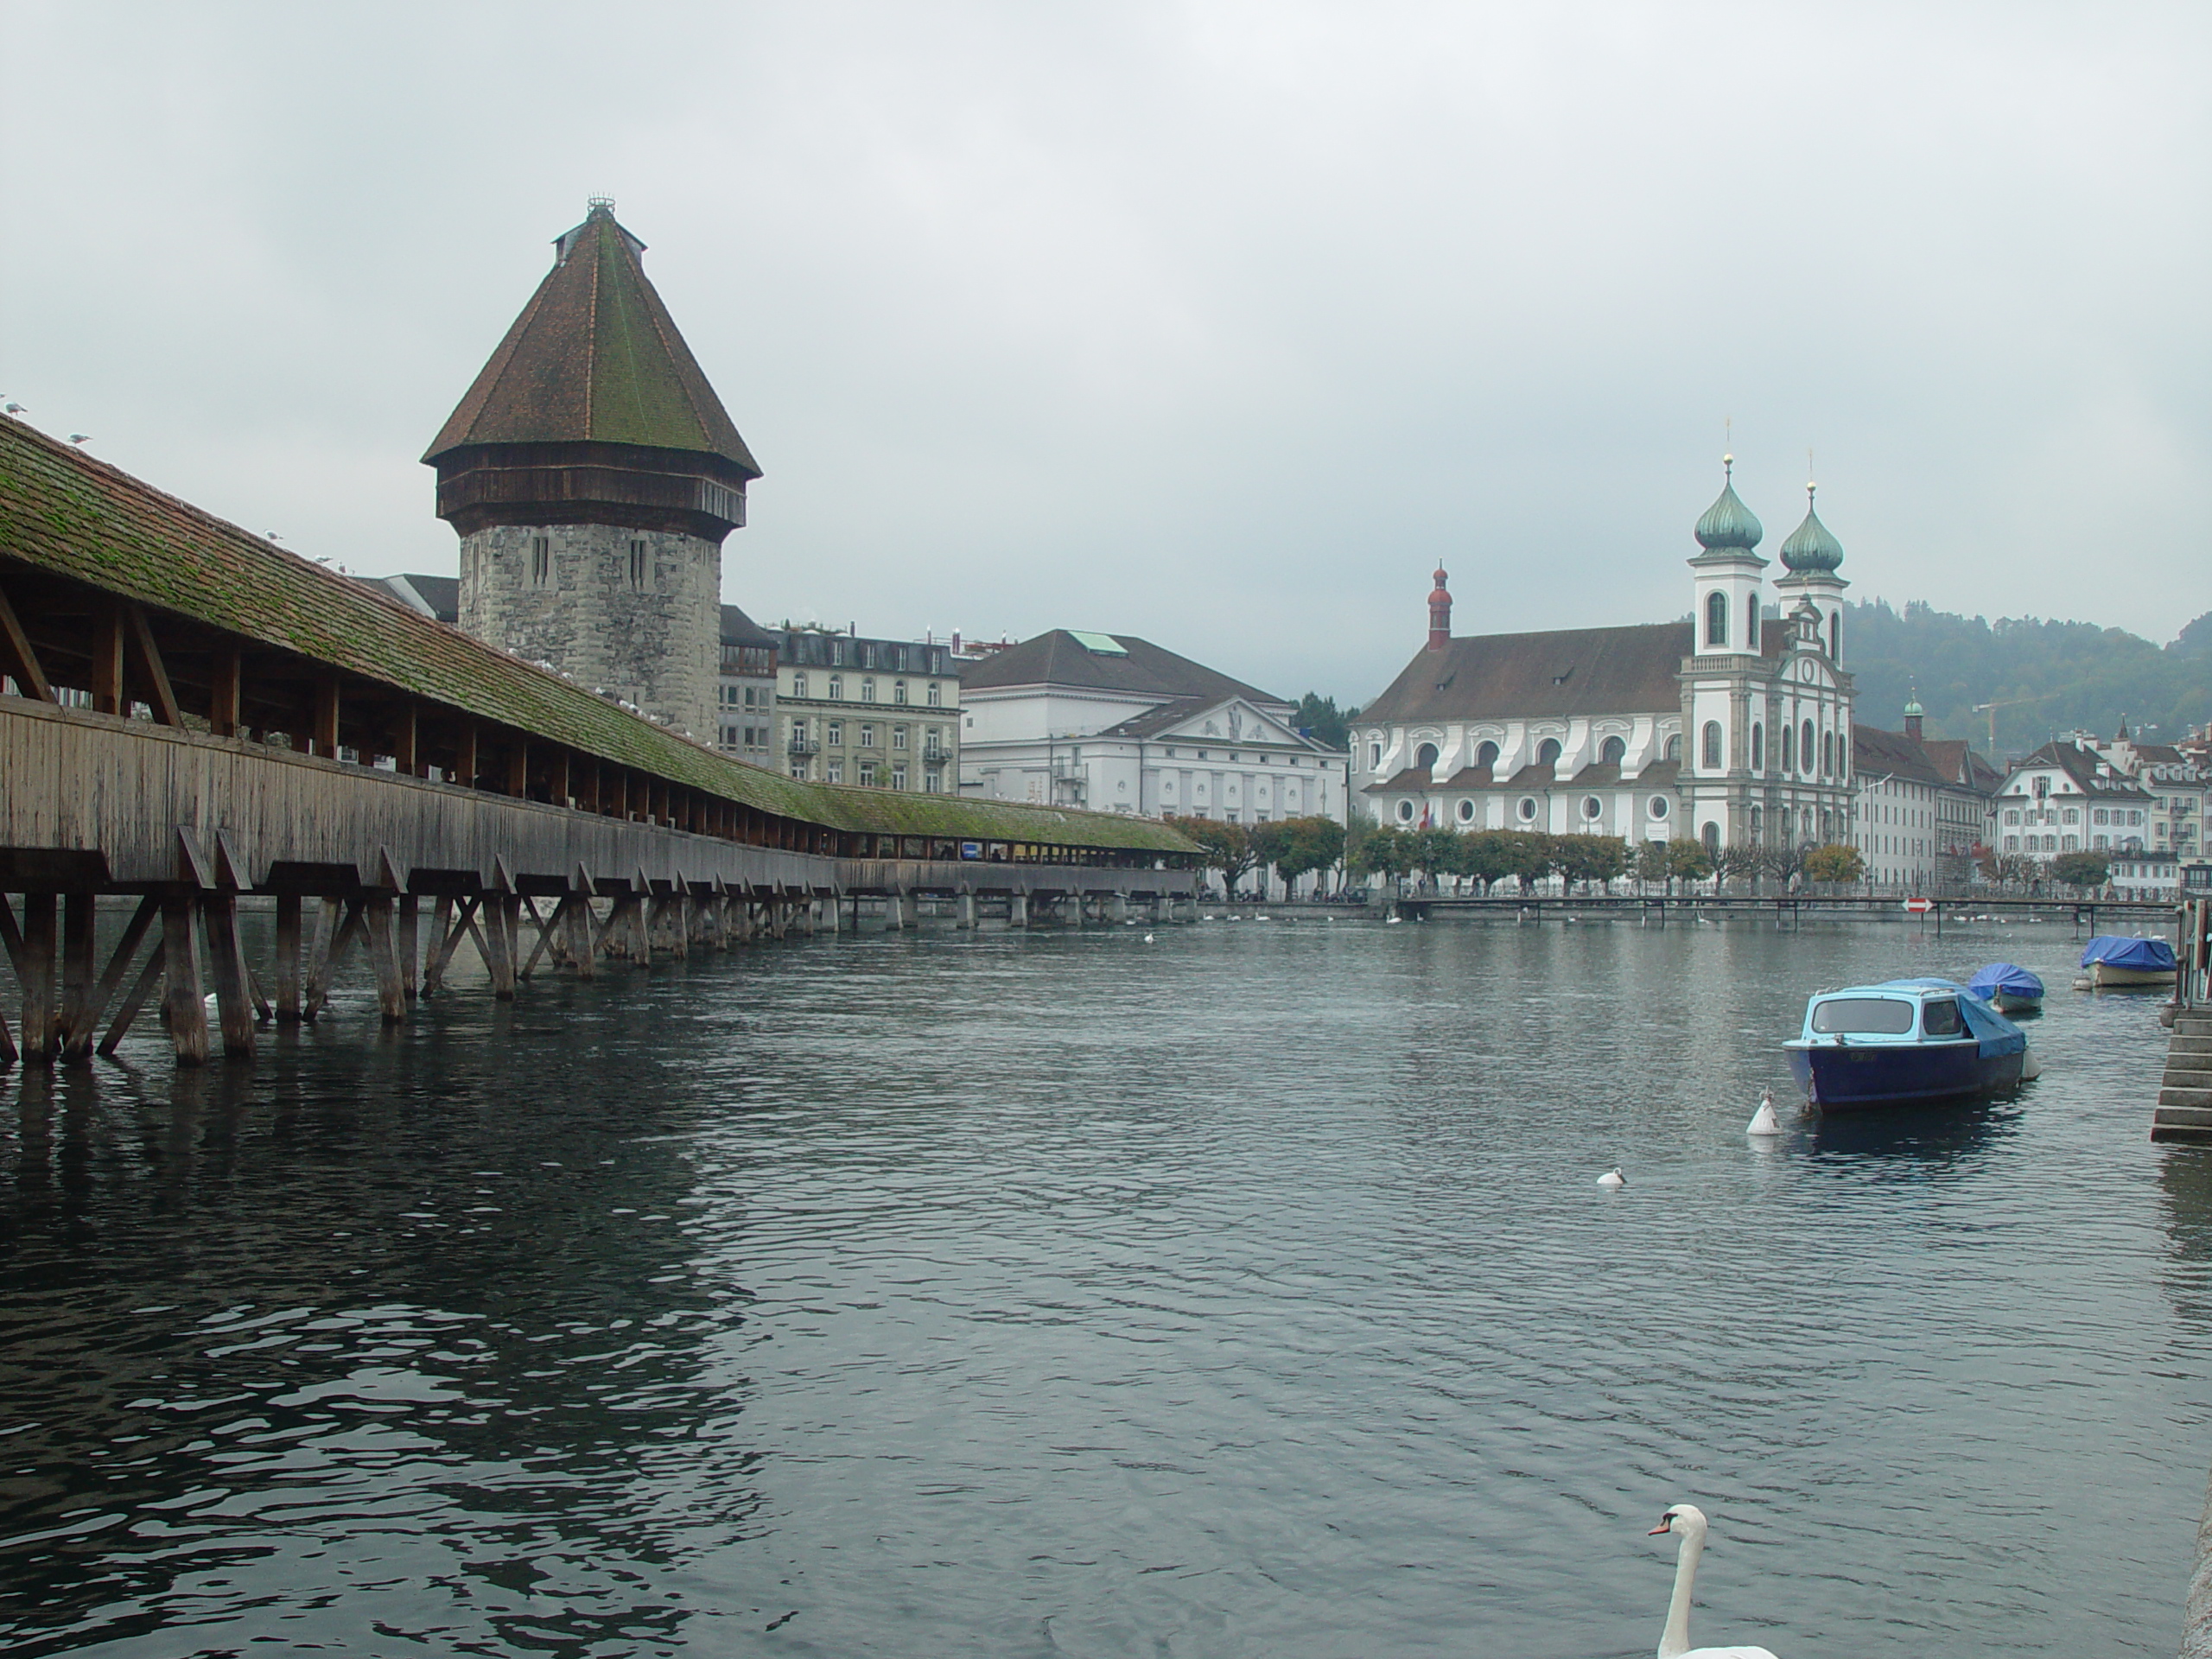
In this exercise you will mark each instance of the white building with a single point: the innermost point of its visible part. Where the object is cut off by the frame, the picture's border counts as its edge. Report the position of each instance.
(1923, 807)
(2176, 784)
(2068, 799)
(1734, 728)
(745, 712)
(1117, 724)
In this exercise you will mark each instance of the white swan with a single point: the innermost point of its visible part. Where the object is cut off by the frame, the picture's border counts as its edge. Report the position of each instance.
(1764, 1121)
(1686, 1522)
(1148, 938)
(1612, 1178)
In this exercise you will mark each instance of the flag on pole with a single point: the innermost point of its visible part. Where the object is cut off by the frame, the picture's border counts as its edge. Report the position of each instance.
(1427, 820)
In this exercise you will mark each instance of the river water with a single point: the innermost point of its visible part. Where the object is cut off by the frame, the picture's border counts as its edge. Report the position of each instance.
(1247, 1293)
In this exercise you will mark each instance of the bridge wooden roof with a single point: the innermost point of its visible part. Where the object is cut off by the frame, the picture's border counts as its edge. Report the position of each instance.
(68, 513)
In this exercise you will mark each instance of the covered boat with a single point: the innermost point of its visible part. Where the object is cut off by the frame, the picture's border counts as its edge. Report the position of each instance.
(2118, 960)
(2007, 986)
(1904, 1042)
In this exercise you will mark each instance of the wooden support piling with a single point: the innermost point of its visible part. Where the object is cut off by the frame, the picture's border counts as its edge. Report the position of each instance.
(410, 943)
(288, 958)
(327, 960)
(79, 917)
(183, 1010)
(383, 957)
(35, 968)
(233, 995)
(583, 947)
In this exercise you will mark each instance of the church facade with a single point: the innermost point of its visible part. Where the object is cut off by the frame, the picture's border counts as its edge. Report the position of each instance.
(1733, 727)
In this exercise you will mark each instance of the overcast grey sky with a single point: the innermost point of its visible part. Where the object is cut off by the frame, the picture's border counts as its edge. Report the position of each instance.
(1217, 323)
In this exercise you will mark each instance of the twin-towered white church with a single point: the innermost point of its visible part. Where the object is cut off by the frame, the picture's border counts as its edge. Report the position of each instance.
(1733, 727)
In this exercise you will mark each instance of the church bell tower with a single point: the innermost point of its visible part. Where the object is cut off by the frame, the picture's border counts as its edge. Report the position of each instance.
(593, 474)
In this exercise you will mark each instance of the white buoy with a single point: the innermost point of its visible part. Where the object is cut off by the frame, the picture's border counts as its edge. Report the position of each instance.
(1394, 918)
(2031, 1065)
(1764, 1121)
(1611, 1178)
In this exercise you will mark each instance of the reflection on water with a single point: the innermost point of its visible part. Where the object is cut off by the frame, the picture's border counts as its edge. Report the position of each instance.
(1247, 1293)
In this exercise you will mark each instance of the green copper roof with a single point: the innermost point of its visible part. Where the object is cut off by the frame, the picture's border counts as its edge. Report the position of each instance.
(1810, 547)
(596, 357)
(1728, 525)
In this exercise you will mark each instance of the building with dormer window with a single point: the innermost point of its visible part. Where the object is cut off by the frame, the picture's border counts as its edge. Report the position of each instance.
(2066, 797)
(1734, 727)
(1117, 724)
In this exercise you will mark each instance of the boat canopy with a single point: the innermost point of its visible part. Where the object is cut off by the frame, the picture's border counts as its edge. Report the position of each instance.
(2008, 977)
(2147, 955)
(1895, 1007)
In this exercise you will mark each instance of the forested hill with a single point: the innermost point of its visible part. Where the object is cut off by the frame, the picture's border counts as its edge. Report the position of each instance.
(2080, 677)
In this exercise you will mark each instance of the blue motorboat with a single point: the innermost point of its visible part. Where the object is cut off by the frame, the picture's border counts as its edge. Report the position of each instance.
(2120, 961)
(1904, 1042)
(2008, 987)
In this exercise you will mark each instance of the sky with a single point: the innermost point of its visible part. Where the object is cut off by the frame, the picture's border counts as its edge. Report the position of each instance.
(1222, 324)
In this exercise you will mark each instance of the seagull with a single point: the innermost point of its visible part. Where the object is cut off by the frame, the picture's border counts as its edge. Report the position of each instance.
(17, 408)
(1148, 938)
(81, 438)
(271, 536)
(1612, 1178)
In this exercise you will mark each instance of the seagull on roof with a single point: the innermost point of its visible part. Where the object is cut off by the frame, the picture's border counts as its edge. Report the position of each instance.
(272, 536)
(80, 438)
(17, 408)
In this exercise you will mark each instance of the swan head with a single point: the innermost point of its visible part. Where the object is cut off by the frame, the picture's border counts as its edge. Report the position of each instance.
(1687, 1519)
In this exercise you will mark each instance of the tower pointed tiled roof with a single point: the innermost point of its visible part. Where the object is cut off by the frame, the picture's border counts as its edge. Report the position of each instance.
(596, 357)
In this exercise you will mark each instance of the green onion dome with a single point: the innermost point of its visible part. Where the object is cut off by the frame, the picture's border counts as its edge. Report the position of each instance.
(1728, 524)
(1810, 547)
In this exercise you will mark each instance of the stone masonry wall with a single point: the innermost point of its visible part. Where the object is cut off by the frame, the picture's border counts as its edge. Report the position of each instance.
(647, 628)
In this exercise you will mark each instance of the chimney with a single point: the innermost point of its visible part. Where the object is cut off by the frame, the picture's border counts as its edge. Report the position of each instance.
(1439, 613)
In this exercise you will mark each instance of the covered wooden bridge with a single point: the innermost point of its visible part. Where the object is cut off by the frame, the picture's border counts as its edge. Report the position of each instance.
(190, 714)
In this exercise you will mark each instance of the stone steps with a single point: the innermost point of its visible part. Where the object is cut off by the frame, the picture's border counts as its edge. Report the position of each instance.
(2183, 1116)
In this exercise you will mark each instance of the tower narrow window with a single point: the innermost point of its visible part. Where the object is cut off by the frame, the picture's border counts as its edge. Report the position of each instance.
(541, 561)
(638, 568)
(1835, 635)
(1789, 748)
(1758, 746)
(1751, 623)
(1712, 745)
(1805, 745)
(1716, 619)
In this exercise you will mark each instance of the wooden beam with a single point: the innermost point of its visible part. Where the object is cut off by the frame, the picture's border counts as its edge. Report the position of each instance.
(79, 919)
(327, 963)
(518, 766)
(161, 694)
(182, 1007)
(107, 660)
(233, 992)
(288, 958)
(151, 975)
(464, 749)
(391, 992)
(410, 944)
(402, 740)
(17, 659)
(556, 778)
(450, 932)
(325, 730)
(35, 968)
(223, 686)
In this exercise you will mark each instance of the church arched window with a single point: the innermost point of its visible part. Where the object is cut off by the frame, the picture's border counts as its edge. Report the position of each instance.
(1712, 745)
(1614, 751)
(1827, 754)
(1751, 623)
(1788, 747)
(1674, 746)
(1425, 757)
(1835, 635)
(1486, 754)
(1547, 751)
(1716, 619)
(1711, 838)
(1805, 745)
(1758, 746)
